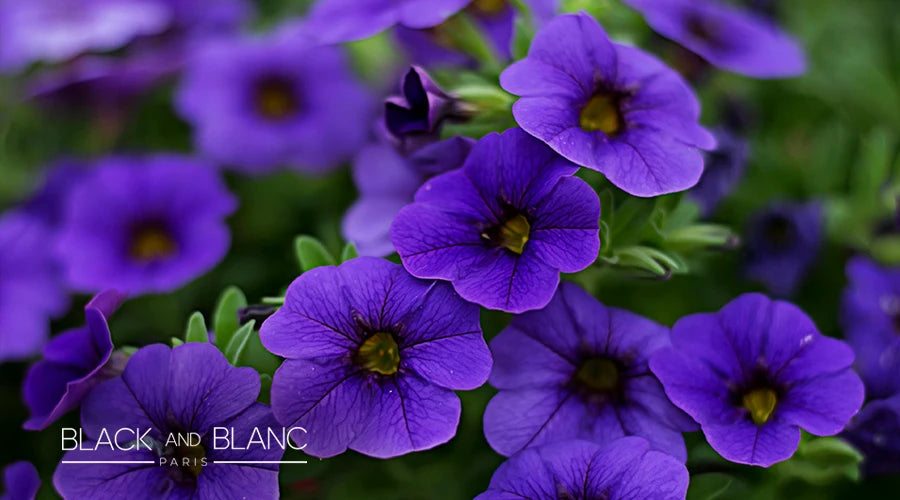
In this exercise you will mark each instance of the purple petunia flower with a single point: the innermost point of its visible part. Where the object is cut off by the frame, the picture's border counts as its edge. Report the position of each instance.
(263, 103)
(74, 362)
(502, 227)
(172, 392)
(373, 357)
(578, 370)
(782, 243)
(609, 107)
(876, 433)
(623, 469)
(144, 225)
(727, 37)
(754, 373)
(31, 291)
(871, 320)
(387, 182)
(333, 21)
(723, 168)
(53, 31)
(414, 118)
(21, 481)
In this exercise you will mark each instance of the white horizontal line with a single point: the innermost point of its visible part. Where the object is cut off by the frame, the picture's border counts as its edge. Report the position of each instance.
(259, 461)
(108, 462)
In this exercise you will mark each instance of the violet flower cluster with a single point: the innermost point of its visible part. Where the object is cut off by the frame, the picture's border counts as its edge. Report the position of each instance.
(479, 185)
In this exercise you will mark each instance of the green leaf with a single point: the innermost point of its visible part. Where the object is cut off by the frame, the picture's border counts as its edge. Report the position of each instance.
(349, 252)
(311, 253)
(523, 32)
(196, 328)
(822, 461)
(225, 319)
(708, 486)
(176, 342)
(235, 350)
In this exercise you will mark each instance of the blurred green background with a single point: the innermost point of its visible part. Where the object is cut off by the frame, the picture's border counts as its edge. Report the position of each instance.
(813, 137)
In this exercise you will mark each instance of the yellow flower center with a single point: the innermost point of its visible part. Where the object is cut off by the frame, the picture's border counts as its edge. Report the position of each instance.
(488, 7)
(602, 113)
(760, 403)
(191, 458)
(151, 243)
(276, 99)
(379, 353)
(512, 234)
(599, 374)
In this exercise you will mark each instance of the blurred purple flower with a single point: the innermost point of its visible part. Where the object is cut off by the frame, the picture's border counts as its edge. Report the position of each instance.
(577, 369)
(31, 291)
(378, 354)
(145, 225)
(100, 84)
(871, 321)
(74, 362)
(876, 433)
(191, 388)
(21, 481)
(723, 168)
(332, 21)
(782, 243)
(260, 104)
(387, 181)
(727, 37)
(754, 373)
(47, 204)
(54, 31)
(495, 18)
(502, 227)
(609, 107)
(625, 469)
(414, 118)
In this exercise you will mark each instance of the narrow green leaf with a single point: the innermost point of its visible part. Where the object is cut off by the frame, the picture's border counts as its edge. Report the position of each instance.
(225, 320)
(349, 252)
(196, 329)
(176, 342)
(311, 253)
(235, 350)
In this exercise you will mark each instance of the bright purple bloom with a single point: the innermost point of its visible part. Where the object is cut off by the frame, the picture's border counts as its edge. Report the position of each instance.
(496, 20)
(756, 372)
(191, 388)
(373, 357)
(21, 481)
(609, 107)
(723, 168)
(387, 182)
(782, 243)
(54, 31)
(258, 104)
(414, 118)
(727, 37)
(48, 202)
(876, 433)
(626, 469)
(502, 227)
(871, 320)
(31, 291)
(577, 369)
(144, 225)
(333, 21)
(74, 362)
